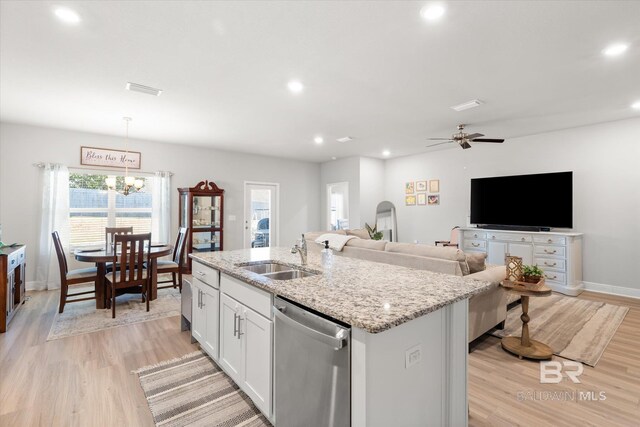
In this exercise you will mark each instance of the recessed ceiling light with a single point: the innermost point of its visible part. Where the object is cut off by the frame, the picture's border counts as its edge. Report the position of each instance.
(615, 49)
(636, 105)
(386, 153)
(432, 12)
(67, 16)
(318, 140)
(295, 86)
(334, 158)
(345, 139)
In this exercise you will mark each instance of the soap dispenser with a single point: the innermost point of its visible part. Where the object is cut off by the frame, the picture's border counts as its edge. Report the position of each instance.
(327, 255)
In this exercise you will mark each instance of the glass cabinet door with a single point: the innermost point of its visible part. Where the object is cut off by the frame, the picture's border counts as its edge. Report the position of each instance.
(206, 212)
(184, 214)
(205, 241)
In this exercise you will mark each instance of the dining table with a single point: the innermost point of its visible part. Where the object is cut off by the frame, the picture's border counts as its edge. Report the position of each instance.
(100, 257)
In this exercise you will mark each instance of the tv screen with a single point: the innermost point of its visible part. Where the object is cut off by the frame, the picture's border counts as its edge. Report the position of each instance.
(540, 200)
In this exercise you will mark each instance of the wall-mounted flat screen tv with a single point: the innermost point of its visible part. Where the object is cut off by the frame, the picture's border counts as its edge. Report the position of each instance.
(541, 200)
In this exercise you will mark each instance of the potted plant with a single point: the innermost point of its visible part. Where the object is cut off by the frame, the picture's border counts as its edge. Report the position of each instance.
(532, 273)
(373, 232)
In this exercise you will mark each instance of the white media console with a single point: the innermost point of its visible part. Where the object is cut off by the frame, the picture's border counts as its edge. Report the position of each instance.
(558, 254)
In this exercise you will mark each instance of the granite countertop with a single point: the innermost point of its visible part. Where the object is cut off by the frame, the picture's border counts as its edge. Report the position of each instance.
(364, 294)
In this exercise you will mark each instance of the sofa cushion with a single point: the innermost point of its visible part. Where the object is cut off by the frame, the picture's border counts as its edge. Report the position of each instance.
(359, 232)
(311, 236)
(439, 252)
(476, 261)
(376, 245)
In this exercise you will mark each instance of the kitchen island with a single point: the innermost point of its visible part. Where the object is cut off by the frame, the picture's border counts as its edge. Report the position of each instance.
(408, 347)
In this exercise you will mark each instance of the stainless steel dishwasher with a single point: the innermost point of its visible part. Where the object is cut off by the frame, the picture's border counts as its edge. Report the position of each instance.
(312, 368)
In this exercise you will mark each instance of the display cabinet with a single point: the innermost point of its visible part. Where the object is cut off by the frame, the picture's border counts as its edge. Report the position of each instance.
(202, 211)
(12, 282)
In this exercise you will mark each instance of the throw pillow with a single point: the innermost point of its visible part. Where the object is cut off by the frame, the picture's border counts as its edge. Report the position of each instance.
(359, 232)
(476, 261)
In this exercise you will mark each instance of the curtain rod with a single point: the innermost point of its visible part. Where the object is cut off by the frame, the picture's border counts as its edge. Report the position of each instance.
(41, 165)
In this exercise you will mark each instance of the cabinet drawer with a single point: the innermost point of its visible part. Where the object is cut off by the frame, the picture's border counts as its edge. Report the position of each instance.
(475, 244)
(510, 237)
(551, 264)
(551, 250)
(250, 296)
(206, 274)
(554, 276)
(475, 234)
(550, 240)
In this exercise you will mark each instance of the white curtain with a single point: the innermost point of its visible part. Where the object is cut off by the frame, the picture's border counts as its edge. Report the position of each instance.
(54, 217)
(161, 208)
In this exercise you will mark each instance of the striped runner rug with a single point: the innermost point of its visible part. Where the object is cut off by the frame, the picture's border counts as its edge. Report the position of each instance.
(193, 391)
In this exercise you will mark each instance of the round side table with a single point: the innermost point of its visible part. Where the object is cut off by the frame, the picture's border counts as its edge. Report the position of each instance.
(523, 346)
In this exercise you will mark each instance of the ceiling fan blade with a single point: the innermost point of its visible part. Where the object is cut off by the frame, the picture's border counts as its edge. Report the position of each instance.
(474, 135)
(488, 140)
(465, 145)
(439, 143)
(439, 139)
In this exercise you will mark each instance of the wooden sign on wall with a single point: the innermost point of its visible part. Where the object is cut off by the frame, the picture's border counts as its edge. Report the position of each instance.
(92, 156)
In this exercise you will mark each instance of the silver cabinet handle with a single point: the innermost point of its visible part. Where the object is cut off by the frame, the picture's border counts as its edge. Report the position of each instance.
(201, 273)
(235, 327)
(550, 265)
(199, 298)
(493, 237)
(475, 235)
(240, 326)
(550, 277)
(549, 241)
(475, 245)
(202, 304)
(549, 252)
(522, 239)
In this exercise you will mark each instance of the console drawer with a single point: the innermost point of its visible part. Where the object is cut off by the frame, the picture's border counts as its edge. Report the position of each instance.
(206, 274)
(510, 237)
(475, 244)
(555, 276)
(551, 250)
(248, 295)
(475, 234)
(551, 264)
(550, 240)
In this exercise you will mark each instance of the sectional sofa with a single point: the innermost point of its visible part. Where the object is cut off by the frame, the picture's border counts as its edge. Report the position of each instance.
(486, 310)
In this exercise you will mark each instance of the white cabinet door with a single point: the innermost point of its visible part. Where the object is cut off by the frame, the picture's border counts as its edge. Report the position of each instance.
(496, 252)
(198, 320)
(211, 306)
(523, 250)
(231, 348)
(256, 334)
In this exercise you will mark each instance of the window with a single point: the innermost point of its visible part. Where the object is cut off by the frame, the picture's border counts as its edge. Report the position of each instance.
(338, 205)
(92, 207)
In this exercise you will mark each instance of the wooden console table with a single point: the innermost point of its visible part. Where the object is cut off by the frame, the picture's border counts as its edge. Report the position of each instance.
(12, 282)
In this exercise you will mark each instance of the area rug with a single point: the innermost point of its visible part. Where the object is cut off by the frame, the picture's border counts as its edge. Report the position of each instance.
(193, 391)
(83, 317)
(574, 328)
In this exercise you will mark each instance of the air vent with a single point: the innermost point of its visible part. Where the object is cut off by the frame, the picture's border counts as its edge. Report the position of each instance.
(135, 87)
(345, 139)
(465, 106)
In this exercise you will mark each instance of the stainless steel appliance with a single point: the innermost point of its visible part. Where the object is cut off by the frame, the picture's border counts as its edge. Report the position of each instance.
(312, 368)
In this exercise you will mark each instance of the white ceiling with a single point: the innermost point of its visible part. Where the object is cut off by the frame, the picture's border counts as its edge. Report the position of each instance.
(372, 70)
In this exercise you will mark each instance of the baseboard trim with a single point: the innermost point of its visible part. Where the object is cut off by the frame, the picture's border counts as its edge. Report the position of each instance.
(611, 289)
(35, 286)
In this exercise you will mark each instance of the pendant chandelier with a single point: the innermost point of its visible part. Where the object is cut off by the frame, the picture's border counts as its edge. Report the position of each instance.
(129, 181)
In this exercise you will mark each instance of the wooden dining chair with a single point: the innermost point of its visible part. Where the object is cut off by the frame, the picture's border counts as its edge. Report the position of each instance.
(73, 277)
(131, 252)
(109, 234)
(175, 265)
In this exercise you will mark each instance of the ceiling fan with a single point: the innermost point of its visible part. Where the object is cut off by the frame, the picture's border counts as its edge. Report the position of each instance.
(463, 139)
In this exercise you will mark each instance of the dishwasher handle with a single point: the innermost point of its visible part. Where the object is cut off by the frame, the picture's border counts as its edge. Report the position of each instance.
(336, 342)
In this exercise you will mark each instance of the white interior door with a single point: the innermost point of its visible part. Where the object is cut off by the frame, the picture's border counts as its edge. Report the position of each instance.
(338, 206)
(260, 215)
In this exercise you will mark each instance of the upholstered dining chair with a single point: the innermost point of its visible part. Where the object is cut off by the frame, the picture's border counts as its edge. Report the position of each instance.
(453, 240)
(131, 252)
(109, 233)
(73, 277)
(175, 265)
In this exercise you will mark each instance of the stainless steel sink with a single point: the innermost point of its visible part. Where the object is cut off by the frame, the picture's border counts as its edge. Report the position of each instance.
(265, 268)
(276, 271)
(289, 275)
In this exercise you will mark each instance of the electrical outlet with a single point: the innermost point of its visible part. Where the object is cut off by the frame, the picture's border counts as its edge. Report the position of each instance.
(413, 356)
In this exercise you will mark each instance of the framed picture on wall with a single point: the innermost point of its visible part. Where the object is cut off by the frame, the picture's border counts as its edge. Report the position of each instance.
(434, 199)
(421, 185)
(408, 187)
(434, 186)
(422, 199)
(410, 200)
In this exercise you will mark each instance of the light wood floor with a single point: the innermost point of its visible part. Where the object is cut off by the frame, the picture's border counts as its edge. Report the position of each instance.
(86, 380)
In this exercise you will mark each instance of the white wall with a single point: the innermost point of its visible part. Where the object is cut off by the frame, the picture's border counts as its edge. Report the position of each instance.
(372, 189)
(21, 146)
(605, 159)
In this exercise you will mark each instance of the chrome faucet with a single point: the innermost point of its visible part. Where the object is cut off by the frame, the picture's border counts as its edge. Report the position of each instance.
(301, 249)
